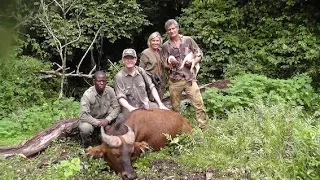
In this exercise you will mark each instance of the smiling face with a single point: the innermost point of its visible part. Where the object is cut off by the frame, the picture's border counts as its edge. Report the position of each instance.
(129, 61)
(155, 43)
(173, 31)
(100, 82)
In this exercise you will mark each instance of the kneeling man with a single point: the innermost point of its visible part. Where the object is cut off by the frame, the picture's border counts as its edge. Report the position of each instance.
(99, 107)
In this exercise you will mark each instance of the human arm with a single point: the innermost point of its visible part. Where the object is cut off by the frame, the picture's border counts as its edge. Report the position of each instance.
(120, 92)
(157, 98)
(114, 105)
(123, 102)
(143, 61)
(169, 61)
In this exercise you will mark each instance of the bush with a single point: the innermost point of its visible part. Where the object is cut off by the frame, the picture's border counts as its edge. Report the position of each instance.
(248, 89)
(37, 118)
(20, 84)
(260, 142)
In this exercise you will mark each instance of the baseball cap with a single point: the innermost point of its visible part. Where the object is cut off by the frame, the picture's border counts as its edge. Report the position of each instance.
(129, 52)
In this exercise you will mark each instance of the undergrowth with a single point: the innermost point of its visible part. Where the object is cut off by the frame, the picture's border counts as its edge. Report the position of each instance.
(26, 123)
(263, 142)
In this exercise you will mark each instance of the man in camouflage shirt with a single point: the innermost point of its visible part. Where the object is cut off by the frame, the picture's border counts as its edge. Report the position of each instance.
(131, 85)
(99, 106)
(174, 51)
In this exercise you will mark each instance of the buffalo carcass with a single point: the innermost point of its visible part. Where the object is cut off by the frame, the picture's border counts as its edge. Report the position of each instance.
(141, 129)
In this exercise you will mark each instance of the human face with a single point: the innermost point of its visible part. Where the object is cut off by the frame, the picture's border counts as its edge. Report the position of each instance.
(129, 61)
(172, 31)
(155, 43)
(100, 82)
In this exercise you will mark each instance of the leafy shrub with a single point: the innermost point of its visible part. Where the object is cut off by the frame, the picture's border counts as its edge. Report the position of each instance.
(260, 142)
(20, 84)
(113, 69)
(37, 118)
(68, 168)
(256, 36)
(248, 89)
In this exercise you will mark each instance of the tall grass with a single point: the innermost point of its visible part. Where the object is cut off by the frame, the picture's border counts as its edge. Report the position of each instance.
(275, 142)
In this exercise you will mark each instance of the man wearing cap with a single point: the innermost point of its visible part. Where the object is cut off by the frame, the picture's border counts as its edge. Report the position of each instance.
(99, 107)
(131, 85)
(174, 51)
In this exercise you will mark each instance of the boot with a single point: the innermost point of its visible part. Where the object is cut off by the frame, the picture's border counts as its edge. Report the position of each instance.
(86, 141)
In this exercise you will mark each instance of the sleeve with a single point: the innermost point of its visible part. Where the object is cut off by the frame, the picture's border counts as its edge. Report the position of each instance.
(85, 115)
(115, 106)
(119, 87)
(165, 53)
(143, 61)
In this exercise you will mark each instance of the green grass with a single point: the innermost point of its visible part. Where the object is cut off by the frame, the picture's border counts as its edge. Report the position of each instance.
(263, 142)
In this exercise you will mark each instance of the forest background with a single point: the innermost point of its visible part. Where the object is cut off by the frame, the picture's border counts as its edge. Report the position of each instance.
(269, 50)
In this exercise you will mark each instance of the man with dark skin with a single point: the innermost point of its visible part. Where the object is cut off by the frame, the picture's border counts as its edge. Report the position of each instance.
(99, 107)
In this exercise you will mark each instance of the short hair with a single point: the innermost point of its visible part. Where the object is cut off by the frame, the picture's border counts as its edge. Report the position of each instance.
(170, 22)
(98, 73)
(154, 35)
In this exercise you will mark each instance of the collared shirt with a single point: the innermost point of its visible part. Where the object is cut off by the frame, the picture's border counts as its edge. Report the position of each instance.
(133, 88)
(151, 61)
(95, 106)
(187, 45)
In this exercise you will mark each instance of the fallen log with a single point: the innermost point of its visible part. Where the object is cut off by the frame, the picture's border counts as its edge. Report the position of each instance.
(68, 127)
(41, 140)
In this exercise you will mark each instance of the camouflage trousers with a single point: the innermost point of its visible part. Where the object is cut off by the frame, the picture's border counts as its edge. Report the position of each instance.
(176, 87)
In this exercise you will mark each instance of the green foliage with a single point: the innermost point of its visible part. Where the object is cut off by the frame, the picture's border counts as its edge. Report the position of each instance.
(20, 83)
(37, 118)
(260, 142)
(256, 36)
(112, 70)
(68, 168)
(248, 89)
(118, 19)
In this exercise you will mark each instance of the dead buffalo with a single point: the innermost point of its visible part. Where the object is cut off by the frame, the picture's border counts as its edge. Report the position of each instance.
(140, 129)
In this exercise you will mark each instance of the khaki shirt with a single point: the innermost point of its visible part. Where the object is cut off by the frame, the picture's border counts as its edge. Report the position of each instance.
(133, 88)
(149, 61)
(187, 44)
(95, 106)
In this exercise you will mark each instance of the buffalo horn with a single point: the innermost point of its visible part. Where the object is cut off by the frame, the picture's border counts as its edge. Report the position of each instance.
(112, 141)
(129, 137)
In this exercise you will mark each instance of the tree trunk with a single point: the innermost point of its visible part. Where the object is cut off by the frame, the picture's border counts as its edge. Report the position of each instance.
(41, 140)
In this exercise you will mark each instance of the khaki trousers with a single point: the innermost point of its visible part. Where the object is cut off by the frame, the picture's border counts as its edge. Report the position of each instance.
(176, 87)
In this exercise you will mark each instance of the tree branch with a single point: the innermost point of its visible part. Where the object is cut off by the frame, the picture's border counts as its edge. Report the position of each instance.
(95, 37)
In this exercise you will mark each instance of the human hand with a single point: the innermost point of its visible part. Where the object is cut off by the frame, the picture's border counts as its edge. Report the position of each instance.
(103, 123)
(188, 64)
(162, 106)
(173, 61)
(131, 108)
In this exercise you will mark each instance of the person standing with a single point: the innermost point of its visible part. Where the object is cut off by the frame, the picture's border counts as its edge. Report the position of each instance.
(174, 51)
(98, 107)
(131, 84)
(151, 60)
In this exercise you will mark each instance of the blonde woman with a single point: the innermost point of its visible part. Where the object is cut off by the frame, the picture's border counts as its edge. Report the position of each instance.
(152, 61)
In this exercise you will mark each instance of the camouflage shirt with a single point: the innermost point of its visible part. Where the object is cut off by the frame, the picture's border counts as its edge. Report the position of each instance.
(133, 88)
(187, 44)
(95, 106)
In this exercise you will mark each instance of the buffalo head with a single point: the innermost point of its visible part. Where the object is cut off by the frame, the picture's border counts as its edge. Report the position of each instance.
(116, 150)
